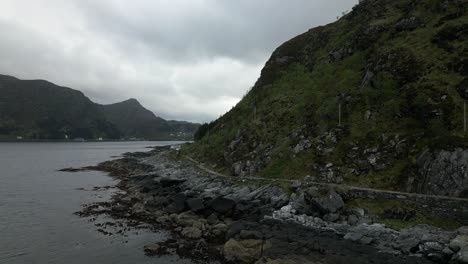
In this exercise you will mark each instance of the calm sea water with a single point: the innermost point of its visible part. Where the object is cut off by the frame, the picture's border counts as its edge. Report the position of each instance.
(37, 224)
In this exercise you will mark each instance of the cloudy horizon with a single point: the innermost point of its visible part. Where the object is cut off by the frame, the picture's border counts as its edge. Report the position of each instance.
(183, 60)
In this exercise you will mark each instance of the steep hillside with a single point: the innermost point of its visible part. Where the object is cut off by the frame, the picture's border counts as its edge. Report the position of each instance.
(39, 109)
(375, 99)
(134, 120)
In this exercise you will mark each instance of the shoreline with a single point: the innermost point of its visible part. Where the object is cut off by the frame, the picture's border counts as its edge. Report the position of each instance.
(212, 218)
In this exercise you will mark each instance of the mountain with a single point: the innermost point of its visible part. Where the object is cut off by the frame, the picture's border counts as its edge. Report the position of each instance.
(375, 99)
(41, 110)
(37, 109)
(134, 120)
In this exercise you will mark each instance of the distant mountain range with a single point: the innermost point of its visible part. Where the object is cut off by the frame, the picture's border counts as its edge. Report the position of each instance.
(40, 110)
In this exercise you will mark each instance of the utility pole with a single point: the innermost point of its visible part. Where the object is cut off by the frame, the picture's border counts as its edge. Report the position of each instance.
(339, 114)
(464, 116)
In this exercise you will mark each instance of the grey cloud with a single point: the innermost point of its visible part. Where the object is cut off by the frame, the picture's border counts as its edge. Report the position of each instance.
(187, 60)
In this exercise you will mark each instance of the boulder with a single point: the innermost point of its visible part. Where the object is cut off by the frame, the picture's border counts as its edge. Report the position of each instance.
(324, 201)
(247, 234)
(195, 204)
(460, 242)
(177, 203)
(443, 172)
(331, 217)
(212, 219)
(169, 182)
(222, 205)
(186, 219)
(219, 229)
(244, 251)
(462, 256)
(192, 233)
(237, 168)
(353, 236)
(153, 249)
(463, 230)
(353, 220)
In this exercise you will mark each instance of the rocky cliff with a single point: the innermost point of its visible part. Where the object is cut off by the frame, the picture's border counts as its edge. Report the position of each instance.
(375, 99)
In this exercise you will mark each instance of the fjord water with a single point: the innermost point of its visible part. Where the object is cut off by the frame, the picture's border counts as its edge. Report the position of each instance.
(37, 224)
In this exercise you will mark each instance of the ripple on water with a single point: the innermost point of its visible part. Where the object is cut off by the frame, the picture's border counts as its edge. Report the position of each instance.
(37, 224)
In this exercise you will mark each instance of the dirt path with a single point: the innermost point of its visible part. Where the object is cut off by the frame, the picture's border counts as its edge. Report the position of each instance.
(332, 185)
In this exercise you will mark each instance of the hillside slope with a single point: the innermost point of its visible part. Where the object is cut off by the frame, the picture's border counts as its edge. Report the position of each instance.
(134, 120)
(375, 99)
(37, 109)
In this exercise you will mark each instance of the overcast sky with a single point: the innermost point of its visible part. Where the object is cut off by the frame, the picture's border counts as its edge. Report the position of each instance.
(183, 59)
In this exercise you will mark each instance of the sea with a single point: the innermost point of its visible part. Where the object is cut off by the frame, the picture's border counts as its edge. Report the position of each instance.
(37, 206)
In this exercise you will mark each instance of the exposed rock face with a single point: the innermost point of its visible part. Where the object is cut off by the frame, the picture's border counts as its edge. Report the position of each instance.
(408, 24)
(443, 172)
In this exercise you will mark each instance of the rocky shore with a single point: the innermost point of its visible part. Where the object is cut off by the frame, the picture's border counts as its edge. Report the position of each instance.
(236, 220)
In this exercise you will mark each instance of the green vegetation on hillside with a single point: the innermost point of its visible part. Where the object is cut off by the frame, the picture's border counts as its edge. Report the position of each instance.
(40, 110)
(364, 95)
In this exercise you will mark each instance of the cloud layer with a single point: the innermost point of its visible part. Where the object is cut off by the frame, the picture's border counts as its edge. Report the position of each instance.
(183, 59)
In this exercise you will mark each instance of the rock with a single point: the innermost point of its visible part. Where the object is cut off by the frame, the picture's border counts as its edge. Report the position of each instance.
(222, 205)
(443, 172)
(178, 203)
(447, 251)
(429, 247)
(219, 229)
(163, 219)
(192, 233)
(407, 245)
(365, 220)
(325, 202)
(463, 230)
(168, 182)
(359, 212)
(366, 240)
(195, 204)
(234, 229)
(199, 225)
(353, 236)
(408, 24)
(309, 178)
(246, 234)
(301, 146)
(212, 219)
(186, 219)
(295, 185)
(458, 243)
(353, 220)
(153, 249)
(237, 168)
(244, 251)
(279, 201)
(462, 256)
(331, 217)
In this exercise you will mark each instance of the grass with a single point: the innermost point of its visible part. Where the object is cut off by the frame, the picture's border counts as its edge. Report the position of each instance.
(411, 76)
(378, 207)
